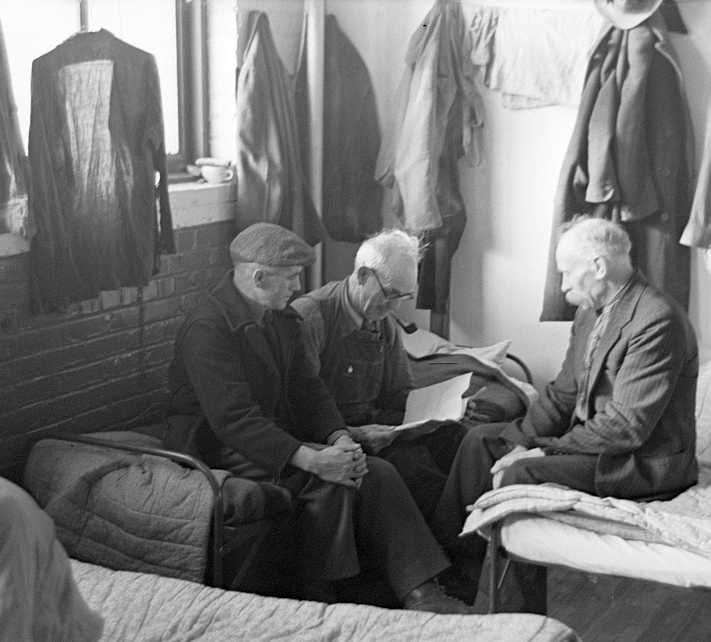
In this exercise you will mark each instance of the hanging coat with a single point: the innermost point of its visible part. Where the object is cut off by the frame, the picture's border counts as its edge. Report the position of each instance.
(437, 121)
(14, 209)
(95, 146)
(351, 197)
(270, 180)
(698, 230)
(628, 158)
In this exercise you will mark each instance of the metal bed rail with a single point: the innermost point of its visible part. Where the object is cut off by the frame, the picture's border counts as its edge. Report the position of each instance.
(186, 460)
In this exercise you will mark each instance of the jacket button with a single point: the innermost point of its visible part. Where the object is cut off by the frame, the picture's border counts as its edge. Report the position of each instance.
(664, 217)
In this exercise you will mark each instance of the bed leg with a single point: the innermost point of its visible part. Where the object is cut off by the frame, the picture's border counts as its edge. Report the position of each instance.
(533, 582)
(494, 563)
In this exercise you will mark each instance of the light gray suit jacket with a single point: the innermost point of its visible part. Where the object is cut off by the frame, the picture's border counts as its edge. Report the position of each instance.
(640, 398)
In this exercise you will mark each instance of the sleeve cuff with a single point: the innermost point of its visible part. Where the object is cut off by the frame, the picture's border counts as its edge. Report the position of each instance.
(335, 435)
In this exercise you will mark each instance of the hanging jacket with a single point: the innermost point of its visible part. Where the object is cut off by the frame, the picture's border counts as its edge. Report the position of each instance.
(437, 88)
(628, 158)
(270, 181)
(438, 120)
(95, 146)
(14, 210)
(351, 197)
(697, 232)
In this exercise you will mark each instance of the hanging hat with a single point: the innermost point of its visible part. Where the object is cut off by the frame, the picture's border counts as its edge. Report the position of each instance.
(626, 14)
(272, 245)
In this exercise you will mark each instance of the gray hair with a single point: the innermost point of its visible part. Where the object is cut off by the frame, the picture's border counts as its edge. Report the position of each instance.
(599, 237)
(386, 250)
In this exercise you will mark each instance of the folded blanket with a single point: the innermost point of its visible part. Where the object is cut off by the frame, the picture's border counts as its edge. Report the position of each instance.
(683, 522)
(124, 511)
(39, 599)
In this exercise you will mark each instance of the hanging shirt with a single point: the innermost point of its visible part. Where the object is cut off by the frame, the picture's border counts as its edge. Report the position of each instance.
(95, 145)
(534, 57)
(14, 211)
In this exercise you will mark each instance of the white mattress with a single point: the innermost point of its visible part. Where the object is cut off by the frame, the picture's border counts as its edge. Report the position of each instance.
(548, 541)
(540, 539)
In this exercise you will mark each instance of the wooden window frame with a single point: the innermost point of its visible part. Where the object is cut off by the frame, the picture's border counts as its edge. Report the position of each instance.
(191, 44)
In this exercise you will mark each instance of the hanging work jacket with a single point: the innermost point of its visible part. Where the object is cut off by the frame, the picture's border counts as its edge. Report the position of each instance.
(438, 119)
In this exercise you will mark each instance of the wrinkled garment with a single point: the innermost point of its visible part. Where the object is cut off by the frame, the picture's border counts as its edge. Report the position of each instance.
(697, 232)
(438, 120)
(14, 210)
(96, 143)
(39, 599)
(351, 197)
(628, 158)
(270, 180)
(437, 88)
(534, 57)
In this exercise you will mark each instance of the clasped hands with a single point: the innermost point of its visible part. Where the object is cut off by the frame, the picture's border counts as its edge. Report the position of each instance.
(344, 463)
(519, 452)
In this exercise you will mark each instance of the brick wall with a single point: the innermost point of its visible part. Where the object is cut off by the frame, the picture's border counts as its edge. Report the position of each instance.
(102, 364)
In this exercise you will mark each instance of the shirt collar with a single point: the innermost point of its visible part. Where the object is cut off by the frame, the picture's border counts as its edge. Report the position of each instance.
(237, 309)
(353, 315)
(256, 311)
(605, 309)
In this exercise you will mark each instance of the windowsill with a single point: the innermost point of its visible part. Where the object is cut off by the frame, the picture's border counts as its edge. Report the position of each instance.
(198, 203)
(192, 203)
(12, 244)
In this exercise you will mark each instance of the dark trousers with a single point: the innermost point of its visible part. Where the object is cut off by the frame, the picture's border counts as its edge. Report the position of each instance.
(470, 478)
(341, 531)
(424, 463)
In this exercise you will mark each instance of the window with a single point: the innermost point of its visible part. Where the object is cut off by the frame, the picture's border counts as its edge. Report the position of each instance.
(171, 30)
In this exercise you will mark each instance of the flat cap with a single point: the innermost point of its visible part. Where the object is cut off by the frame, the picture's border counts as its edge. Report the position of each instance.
(270, 244)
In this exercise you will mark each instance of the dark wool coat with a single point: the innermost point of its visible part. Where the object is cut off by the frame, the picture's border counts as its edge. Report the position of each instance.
(628, 158)
(259, 400)
(351, 197)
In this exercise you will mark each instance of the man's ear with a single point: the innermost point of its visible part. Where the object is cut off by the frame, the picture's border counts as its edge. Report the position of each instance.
(363, 274)
(601, 267)
(258, 277)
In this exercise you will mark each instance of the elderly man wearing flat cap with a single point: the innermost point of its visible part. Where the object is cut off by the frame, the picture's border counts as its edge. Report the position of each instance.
(240, 364)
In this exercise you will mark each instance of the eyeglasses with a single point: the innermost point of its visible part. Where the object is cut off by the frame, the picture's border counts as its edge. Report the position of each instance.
(392, 295)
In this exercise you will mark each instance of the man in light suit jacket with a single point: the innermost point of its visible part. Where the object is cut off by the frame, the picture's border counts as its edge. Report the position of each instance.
(619, 418)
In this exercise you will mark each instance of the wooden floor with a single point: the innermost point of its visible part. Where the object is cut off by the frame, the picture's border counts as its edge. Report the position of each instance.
(606, 609)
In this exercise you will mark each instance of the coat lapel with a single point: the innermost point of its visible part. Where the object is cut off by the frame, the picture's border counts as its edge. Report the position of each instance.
(238, 316)
(620, 315)
(258, 342)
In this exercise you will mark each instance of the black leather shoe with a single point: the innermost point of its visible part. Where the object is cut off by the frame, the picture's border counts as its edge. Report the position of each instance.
(430, 597)
(458, 585)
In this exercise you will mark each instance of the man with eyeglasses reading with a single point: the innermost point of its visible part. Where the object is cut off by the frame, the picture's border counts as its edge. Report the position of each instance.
(352, 342)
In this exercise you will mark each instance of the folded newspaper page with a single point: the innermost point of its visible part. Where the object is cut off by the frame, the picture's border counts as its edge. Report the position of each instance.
(439, 402)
